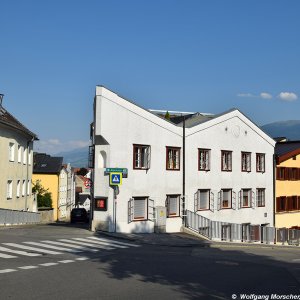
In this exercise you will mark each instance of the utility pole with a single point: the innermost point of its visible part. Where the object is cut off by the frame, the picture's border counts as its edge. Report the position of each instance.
(183, 171)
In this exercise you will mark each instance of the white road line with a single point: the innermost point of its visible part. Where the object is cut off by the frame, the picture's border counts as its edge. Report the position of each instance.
(19, 252)
(82, 258)
(48, 264)
(67, 261)
(113, 242)
(28, 267)
(32, 248)
(70, 246)
(53, 247)
(87, 243)
(6, 255)
(7, 270)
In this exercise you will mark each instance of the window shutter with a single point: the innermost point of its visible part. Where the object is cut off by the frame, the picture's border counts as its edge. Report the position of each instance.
(278, 204)
(208, 160)
(130, 210)
(220, 197)
(289, 203)
(151, 210)
(298, 203)
(211, 202)
(233, 200)
(252, 195)
(196, 201)
(148, 157)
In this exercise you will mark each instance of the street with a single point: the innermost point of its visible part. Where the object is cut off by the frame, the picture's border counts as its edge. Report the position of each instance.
(63, 261)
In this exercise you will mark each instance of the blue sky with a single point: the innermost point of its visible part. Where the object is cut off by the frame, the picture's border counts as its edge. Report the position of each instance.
(194, 55)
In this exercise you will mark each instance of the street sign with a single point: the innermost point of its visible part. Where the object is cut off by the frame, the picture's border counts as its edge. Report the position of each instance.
(115, 178)
(117, 170)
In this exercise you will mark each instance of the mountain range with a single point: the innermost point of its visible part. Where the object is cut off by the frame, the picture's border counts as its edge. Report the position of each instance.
(290, 129)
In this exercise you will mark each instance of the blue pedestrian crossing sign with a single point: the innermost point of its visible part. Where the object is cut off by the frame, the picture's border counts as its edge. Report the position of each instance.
(115, 178)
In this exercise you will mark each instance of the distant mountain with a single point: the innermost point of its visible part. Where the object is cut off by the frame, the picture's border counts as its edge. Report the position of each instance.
(78, 158)
(289, 129)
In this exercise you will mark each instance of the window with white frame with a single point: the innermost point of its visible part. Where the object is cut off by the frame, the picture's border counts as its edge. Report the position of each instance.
(226, 163)
(28, 187)
(9, 189)
(11, 152)
(260, 197)
(246, 198)
(25, 156)
(173, 158)
(23, 188)
(260, 162)
(246, 162)
(203, 159)
(173, 205)
(19, 153)
(141, 157)
(204, 199)
(226, 198)
(18, 188)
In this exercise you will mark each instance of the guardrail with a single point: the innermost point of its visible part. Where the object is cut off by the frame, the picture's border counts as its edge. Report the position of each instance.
(233, 232)
(15, 217)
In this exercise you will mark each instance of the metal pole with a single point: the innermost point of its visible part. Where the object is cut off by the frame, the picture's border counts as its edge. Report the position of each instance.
(183, 171)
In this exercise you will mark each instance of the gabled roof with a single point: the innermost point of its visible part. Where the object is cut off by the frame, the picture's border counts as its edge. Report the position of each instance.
(45, 164)
(286, 150)
(9, 120)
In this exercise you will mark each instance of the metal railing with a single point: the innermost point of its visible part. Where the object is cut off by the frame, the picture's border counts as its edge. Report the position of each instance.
(15, 217)
(233, 232)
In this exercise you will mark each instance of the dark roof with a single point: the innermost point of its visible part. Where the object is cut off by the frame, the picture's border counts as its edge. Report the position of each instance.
(9, 120)
(286, 150)
(193, 120)
(45, 164)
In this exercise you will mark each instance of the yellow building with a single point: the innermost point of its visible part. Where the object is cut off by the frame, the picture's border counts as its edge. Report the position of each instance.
(287, 212)
(47, 170)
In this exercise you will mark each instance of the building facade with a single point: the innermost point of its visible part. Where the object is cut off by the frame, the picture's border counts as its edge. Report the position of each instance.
(287, 210)
(16, 144)
(220, 167)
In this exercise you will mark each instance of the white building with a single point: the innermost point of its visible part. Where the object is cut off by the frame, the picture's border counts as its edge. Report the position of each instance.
(227, 173)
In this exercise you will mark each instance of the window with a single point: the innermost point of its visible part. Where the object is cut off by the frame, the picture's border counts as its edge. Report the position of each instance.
(28, 187)
(260, 197)
(9, 189)
(19, 153)
(18, 188)
(246, 198)
(246, 162)
(226, 160)
(23, 188)
(260, 162)
(29, 157)
(141, 157)
(173, 205)
(292, 203)
(204, 199)
(226, 197)
(11, 152)
(281, 204)
(140, 208)
(173, 158)
(203, 159)
(25, 156)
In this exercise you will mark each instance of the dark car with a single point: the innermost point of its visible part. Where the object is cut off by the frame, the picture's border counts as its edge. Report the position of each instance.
(79, 215)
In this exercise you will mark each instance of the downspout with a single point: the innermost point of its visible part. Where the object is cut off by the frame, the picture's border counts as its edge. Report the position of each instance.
(274, 188)
(27, 173)
(183, 173)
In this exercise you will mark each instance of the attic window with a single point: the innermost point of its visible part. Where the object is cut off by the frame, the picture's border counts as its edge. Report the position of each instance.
(43, 165)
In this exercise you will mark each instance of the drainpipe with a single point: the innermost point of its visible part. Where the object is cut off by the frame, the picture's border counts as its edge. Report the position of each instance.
(27, 173)
(183, 171)
(274, 188)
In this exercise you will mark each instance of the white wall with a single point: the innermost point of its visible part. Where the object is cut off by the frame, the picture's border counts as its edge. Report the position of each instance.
(122, 124)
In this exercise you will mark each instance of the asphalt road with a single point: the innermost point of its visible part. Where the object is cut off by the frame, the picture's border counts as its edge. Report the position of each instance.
(138, 270)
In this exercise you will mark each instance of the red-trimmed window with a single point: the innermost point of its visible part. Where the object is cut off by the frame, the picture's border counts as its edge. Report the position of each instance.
(173, 158)
(203, 159)
(226, 198)
(260, 162)
(226, 161)
(246, 162)
(173, 205)
(260, 197)
(246, 198)
(141, 157)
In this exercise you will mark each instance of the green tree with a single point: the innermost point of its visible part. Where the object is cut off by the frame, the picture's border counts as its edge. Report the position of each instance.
(44, 198)
(167, 116)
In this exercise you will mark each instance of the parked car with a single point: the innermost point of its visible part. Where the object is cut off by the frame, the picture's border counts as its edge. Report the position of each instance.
(79, 215)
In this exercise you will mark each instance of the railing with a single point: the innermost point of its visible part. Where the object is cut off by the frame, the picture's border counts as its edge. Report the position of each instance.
(15, 217)
(233, 232)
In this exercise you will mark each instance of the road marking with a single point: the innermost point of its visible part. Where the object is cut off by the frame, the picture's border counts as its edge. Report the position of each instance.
(228, 263)
(32, 248)
(6, 255)
(87, 244)
(70, 246)
(7, 270)
(28, 267)
(112, 242)
(82, 258)
(67, 261)
(19, 252)
(48, 264)
(52, 247)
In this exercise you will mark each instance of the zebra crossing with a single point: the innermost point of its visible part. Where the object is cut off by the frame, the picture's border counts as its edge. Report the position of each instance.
(91, 244)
